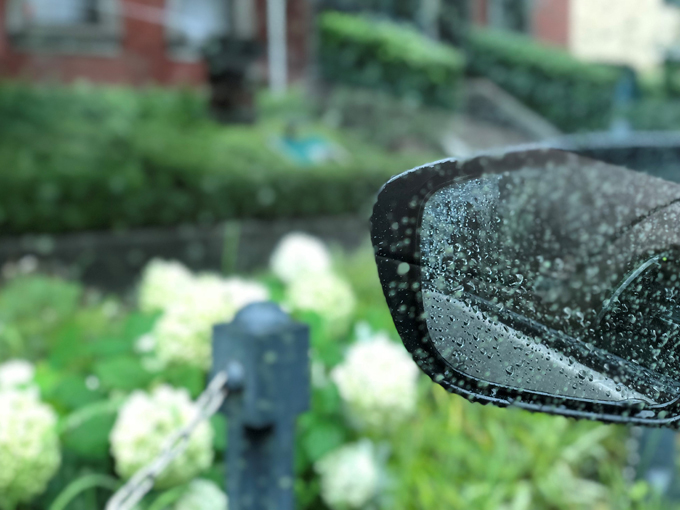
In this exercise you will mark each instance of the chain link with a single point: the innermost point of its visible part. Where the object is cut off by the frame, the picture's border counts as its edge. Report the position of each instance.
(143, 480)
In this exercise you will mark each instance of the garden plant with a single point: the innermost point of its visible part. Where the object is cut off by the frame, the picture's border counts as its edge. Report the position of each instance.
(96, 382)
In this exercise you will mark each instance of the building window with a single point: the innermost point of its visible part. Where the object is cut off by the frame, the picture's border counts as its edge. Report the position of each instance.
(66, 26)
(63, 12)
(191, 23)
(510, 15)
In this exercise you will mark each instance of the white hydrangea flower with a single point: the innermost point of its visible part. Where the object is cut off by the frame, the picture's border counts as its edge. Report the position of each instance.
(298, 254)
(350, 475)
(326, 294)
(202, 495)
(182, 336)
(163, 283)
(377, 382)
(29, 446)
(144, 424)
(16, 374)
(243, 293)
(212, 298)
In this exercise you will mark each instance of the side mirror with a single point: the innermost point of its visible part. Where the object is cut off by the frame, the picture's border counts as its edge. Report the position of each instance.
(540, 279)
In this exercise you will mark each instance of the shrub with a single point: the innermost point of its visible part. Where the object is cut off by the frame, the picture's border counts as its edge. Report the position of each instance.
(572, 94)
(439, 451)
(655, 114)
(396, 58)
(29, 446)
(145, 424)
(77, 158)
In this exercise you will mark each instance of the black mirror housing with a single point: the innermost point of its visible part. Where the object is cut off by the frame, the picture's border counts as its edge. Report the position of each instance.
(540, 279)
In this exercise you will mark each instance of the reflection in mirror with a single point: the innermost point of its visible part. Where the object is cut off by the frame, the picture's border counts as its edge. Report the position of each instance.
(562, 279)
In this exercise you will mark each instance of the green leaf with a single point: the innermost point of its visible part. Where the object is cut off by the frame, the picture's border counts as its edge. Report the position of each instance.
(322, 439)
(167, 498)
(69, 350)
(219, 425)
(124, 373)
(307, 492)
(277, 290)
(215, 473)
(108, 347)
(326, 400)
(78, 486)
(191, 378)
(90, 439)
(80, 416)
(71, 392)
(46, 377)
(639, 491)
(326, 347)
(138, 324)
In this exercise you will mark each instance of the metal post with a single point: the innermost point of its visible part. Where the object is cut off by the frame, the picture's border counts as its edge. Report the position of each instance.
(272, 353)
(428, 14)
(654, 458)
(277, 53)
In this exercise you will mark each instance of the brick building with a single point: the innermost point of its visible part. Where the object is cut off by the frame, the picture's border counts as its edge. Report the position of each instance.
(133, 41)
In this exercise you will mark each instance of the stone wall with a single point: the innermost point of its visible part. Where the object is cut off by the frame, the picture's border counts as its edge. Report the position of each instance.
(113, 260)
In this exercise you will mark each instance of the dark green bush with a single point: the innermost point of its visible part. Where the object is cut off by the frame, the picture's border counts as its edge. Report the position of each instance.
(655, 114)
(77, 158)
(572, 94)
(360, 51)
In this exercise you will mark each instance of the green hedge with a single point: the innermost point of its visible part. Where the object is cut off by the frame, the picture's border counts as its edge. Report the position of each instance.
(78, 158)
(572, 94)
(357, 50)
(655, 114)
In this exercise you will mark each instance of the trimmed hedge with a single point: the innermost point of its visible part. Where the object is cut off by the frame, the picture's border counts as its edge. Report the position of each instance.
(81, 158)
(396, 58)
(655, 114)
(572, 94)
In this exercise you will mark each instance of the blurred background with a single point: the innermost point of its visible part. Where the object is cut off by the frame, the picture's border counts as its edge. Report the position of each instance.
(165, 162)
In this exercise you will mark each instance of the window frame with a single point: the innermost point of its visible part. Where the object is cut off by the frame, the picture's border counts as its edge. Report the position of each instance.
(103, 37)
(177, 43)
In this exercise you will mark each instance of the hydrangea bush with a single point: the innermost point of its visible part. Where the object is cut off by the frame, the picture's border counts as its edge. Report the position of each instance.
(202, 495)
(377, 382)
(350, 475)
(298, 254)
(327, 295)
(145, 424)
(95, 387)
(29, 445)
(190, 306)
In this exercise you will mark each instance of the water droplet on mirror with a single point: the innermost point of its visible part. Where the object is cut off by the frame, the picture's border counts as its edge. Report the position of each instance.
(403, 268)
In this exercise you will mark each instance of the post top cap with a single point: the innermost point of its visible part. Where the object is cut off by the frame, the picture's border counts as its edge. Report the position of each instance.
(262, 318)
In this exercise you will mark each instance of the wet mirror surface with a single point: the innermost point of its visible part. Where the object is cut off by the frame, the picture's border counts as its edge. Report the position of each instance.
(561, 278)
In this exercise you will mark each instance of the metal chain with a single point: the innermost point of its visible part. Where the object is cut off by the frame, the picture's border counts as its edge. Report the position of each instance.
(143, 480)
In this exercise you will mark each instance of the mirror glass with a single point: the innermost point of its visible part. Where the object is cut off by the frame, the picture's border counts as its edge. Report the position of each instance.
(561, 278)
